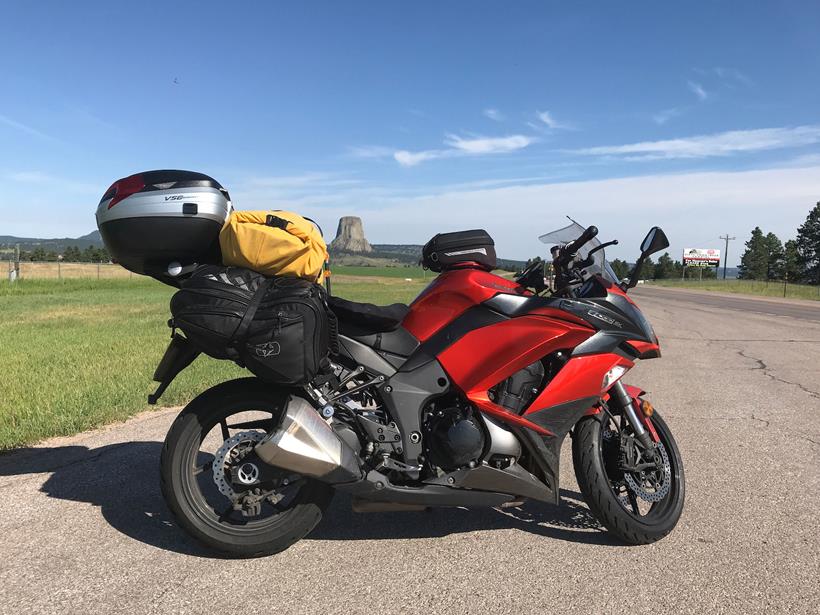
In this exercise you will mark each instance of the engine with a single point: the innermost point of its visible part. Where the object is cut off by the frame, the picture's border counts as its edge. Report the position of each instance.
(454, 437)
(517, 391)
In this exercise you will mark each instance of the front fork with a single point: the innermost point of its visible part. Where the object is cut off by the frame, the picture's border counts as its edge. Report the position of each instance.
(619, 395)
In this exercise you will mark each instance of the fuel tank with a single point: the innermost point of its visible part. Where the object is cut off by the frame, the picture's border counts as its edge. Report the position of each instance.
(450, 295)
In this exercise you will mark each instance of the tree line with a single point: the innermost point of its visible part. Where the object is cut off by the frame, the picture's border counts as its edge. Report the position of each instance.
(765, 258)
(72, 254)
(798, 260)
(665, 269)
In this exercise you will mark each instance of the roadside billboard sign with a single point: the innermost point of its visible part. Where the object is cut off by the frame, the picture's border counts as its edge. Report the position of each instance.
(701, 257)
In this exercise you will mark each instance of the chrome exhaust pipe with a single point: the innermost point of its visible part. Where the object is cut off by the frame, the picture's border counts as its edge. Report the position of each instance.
(305, 444)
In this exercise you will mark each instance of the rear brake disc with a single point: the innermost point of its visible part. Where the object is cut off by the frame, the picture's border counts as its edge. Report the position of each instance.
(230, 453)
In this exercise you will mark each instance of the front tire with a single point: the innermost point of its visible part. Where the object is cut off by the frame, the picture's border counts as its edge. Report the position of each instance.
(607, 495)
(189, 489)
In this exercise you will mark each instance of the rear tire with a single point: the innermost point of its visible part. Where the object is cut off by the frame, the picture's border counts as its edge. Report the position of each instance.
(596, 485)
(183, 496)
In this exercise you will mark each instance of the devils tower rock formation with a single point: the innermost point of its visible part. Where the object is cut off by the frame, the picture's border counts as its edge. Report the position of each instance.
(350, 236)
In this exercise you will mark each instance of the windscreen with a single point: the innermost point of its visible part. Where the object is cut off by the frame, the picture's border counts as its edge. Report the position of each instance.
(572, 232)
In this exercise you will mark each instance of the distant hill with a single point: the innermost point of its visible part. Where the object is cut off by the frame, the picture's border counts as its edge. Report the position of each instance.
(384, 254)
(28, 244)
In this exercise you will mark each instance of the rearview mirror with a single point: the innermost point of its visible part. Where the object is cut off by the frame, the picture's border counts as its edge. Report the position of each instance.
(655, 241)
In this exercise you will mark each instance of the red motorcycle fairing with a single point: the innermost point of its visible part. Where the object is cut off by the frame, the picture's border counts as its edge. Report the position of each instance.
(479, 329)
(488, 355)
(635, 393)
(450, 295)
(479, 352)
(580, 379)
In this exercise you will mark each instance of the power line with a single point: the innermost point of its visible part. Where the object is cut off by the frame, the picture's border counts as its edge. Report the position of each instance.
(726, 251)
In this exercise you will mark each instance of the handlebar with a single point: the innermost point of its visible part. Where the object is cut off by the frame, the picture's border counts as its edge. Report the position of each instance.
(573, 246)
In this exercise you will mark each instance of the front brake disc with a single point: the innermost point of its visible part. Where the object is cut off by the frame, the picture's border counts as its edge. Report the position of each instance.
(659, 491)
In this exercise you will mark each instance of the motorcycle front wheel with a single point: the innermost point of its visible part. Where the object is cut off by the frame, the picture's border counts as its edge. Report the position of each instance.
(205, 447)
(638, 507)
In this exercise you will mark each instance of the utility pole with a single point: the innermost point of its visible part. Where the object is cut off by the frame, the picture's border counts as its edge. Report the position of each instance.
(726, 251)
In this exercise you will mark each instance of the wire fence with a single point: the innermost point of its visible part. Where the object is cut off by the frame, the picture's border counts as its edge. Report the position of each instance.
(60, 270)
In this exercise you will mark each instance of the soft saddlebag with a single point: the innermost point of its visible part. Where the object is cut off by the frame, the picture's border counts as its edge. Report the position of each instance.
(278, 327)
(448, 250)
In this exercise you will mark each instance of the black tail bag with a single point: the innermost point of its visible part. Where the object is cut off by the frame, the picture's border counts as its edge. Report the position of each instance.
(279, 328)
(447, 250)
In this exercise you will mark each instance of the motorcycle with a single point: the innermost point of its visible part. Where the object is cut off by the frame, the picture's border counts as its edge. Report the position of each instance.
(464, 398)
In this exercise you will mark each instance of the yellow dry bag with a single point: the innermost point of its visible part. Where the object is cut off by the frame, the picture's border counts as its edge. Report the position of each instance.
(273, 243)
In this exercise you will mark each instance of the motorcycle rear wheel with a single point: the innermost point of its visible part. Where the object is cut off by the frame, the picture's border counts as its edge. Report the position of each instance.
(597, 481)
(189, 489)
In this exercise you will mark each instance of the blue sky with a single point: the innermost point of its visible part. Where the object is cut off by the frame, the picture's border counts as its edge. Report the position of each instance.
(422, 117)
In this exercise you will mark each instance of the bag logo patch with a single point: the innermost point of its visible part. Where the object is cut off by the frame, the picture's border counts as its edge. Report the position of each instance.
(471, 251)
(268, 349)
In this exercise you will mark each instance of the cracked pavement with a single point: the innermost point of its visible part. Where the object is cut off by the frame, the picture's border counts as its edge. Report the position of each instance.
(85, 528)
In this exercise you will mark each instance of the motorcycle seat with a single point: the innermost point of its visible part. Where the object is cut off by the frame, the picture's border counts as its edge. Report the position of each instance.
(364, 319)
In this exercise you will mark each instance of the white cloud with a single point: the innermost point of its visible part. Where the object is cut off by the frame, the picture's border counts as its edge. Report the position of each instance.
(460, 146)
(727, 74)
(698, 90)
(488, 145)
(306, 180)
(777, 200)
(693, 208)
(663, 116)
(547, 118)
(52, 182)
(805, 160)
(732, 74)
(30, 177)
(411, 159)
(23, 128)
(624, 208)
(720, 144)
(494, 114)
(370, 151)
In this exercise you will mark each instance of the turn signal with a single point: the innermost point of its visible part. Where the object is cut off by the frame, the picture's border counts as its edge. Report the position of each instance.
(647, 408)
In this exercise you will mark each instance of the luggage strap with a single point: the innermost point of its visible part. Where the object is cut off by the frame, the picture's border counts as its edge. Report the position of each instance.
(276, 222)
(245, 324)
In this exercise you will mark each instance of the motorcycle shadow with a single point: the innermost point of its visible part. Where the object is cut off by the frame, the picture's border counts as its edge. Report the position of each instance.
(571, 521)
(122, 480)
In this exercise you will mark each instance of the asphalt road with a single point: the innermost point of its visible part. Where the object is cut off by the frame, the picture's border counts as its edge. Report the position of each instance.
(796, 308)
(85, 529)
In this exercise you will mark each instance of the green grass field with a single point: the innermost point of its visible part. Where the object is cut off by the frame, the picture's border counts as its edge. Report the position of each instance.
(746, 287)
(415, 273)
(76, 354)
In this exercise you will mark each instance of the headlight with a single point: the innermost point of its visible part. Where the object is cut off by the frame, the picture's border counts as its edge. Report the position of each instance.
(612, 376)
